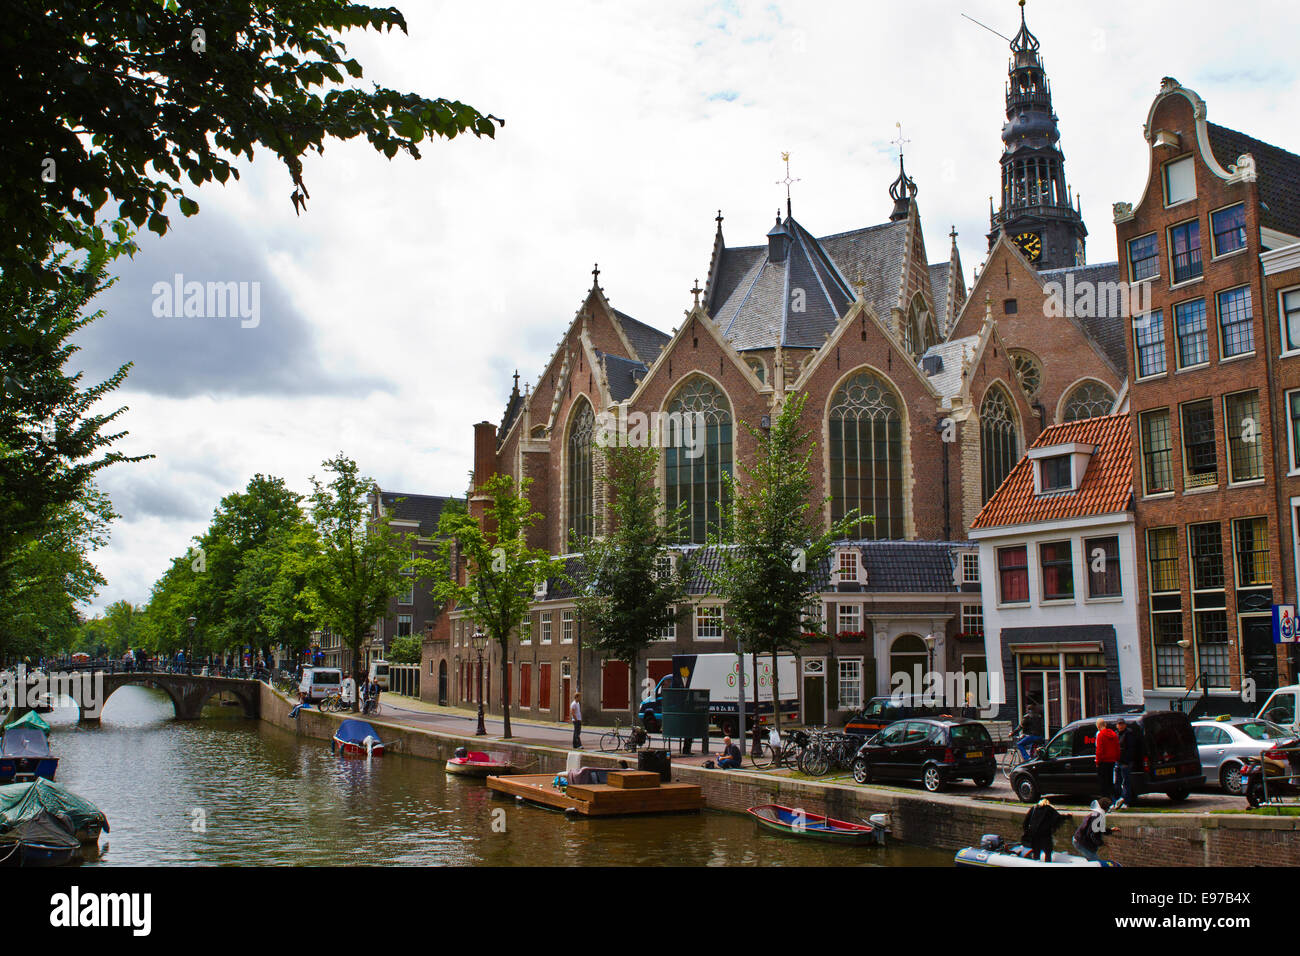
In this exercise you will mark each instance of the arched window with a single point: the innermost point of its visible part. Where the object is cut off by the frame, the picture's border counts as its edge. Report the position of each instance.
(905, 655)
(694, 466)
(910, 334)
(580, 485)
(999, 441)
(1029, 371)
(866, 455)
(758, 368)
(1087, 400)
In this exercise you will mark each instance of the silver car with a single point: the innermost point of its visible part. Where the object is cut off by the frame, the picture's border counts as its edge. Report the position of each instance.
(1224, 745)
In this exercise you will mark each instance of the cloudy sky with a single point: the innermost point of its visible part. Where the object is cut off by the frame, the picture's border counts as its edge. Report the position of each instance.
(395, 308)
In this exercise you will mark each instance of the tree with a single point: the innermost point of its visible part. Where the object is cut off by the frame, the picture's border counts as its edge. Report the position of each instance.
(502, 572)
(52, 440)
(405, 650)
(627, 594)
(361, 561)
(769, 573)
(125, 101)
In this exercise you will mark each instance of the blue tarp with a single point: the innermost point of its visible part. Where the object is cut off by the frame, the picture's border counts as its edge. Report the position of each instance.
(355, 732)
(24, 742)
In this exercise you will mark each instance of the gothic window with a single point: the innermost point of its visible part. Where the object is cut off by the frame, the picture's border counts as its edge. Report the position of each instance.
(866, 455)
(695, 484)
(1087, 400)
(580, 484)
(758, 368)
(999, 442)
(1029, 371)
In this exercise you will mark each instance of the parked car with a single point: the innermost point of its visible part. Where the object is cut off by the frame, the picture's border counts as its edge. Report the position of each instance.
(880, 712)
(1226, 742)
(1067, 764)
(933, 751)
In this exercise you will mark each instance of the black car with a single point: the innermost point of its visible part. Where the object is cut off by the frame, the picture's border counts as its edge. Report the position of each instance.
(1169, 762)
(880, 712)
(933, 751)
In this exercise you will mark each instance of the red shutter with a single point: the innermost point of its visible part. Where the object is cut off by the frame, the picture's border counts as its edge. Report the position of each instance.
(613, 686)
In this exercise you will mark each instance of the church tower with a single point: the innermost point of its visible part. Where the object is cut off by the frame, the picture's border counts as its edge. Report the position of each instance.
(1037, 212)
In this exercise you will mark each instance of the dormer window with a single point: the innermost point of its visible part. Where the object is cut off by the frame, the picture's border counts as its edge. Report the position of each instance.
(1180, 180)
(1059, 469)
(970, 567)
(848, 566)
(1054, 474)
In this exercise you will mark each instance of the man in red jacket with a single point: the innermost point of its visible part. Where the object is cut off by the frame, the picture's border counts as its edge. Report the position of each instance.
(1107, 755)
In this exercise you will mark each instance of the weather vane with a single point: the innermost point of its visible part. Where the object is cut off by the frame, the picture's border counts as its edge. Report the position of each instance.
(901, 141)
(787, 182)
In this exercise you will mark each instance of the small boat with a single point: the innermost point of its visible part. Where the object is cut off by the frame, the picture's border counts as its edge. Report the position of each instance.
(356, 738)
(478, 763)
(25, 755)
(21, 800)
(800, 823)
(993, 852)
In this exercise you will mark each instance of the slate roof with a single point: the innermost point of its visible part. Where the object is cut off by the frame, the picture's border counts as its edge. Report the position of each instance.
(1106, 488)
(426, 509)
(939, 289)
(646, 340)
(1279, 175)
(947, 381)
(1106, 328)
(892, 567)
(623, 374)
(748, 295)
(513, 406)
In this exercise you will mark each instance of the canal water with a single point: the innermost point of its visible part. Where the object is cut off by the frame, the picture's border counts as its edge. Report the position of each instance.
(228, 790)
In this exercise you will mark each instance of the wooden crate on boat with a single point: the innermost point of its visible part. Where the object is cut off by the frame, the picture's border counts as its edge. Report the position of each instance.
(600, 799)
(633, 779)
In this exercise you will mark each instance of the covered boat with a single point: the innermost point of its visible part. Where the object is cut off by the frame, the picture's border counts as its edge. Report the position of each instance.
(356, 738)
(36, 827)
(31, 719)
(478, 763)
(993, 852)
(25, 754)
(87, 820)
(800, 823)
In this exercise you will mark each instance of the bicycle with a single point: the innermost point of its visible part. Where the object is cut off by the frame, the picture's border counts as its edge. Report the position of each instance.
(785, 753)
(614, 740)
(1013, 758)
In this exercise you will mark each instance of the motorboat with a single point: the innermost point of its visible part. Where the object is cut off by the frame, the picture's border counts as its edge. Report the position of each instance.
(992, 851)
(356, 738)
(478, 763)
(19, 800)
(25, 754)
(799, 823)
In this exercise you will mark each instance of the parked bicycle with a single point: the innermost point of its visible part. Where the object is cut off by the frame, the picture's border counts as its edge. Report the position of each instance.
(630, 739)
(827, 750)
(780, 751)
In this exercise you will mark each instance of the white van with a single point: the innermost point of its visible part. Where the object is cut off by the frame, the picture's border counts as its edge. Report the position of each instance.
(319, 682)
(1280, 708)
(379, 672)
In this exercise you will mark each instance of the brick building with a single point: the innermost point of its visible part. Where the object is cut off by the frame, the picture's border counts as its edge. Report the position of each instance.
(1208, 435)
(914, 400)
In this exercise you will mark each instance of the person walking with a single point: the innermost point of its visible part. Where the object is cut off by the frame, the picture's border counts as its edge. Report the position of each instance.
(1092, 831)
(1130, 755)
(575, 714)
(1040, 825)
(1107, 757)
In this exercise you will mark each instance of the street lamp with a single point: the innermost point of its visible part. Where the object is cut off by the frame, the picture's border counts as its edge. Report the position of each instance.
(929, 655)
(189, 654)
(479, 642)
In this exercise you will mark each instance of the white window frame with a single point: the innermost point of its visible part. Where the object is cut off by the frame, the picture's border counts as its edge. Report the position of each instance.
(568, 626)
(409, 620)
(1128, 249)
(666, 634)
(547, 624)
(1281, 320)
(968, 614)
(1187, 162)
(1291, 450)
(848, 701)
(709, 616)
(855, 559)
(841, 624)
(970, 567)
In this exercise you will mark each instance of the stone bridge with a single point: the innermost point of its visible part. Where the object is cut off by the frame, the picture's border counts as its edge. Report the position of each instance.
(92, 689)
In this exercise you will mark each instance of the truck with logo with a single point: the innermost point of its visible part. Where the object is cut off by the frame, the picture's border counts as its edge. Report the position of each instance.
(721, 675)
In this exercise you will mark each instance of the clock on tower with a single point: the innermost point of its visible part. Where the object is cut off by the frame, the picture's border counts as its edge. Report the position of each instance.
(1031, 244)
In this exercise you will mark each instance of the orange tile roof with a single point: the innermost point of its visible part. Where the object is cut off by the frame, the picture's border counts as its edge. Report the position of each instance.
(1107, 486)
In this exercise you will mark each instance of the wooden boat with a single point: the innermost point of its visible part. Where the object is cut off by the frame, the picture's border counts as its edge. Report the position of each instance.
(21, 801)
(478, 763)
(623, 792)
(25, 755)
(814, 826)
(356, 738)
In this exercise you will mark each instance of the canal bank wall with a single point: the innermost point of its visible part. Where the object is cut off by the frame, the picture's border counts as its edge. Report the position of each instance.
(944, 820)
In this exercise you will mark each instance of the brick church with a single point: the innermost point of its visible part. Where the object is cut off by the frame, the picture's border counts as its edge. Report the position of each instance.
(922, 395)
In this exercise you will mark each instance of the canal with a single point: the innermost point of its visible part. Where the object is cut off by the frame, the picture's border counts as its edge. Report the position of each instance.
(233, 791)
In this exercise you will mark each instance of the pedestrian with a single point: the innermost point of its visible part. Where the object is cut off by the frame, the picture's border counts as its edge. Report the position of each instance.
(1107, 756)
(575, 714)
(348, 692)
(1091, 832)
(1130, 755)
(730, 759)
(1040, 825)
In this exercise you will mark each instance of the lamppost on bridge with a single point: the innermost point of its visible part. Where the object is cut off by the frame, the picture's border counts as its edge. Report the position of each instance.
(189, 653)
(479, 642)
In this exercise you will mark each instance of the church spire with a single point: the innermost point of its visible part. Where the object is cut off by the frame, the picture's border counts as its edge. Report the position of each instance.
(1035, 211)
(903, 189)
